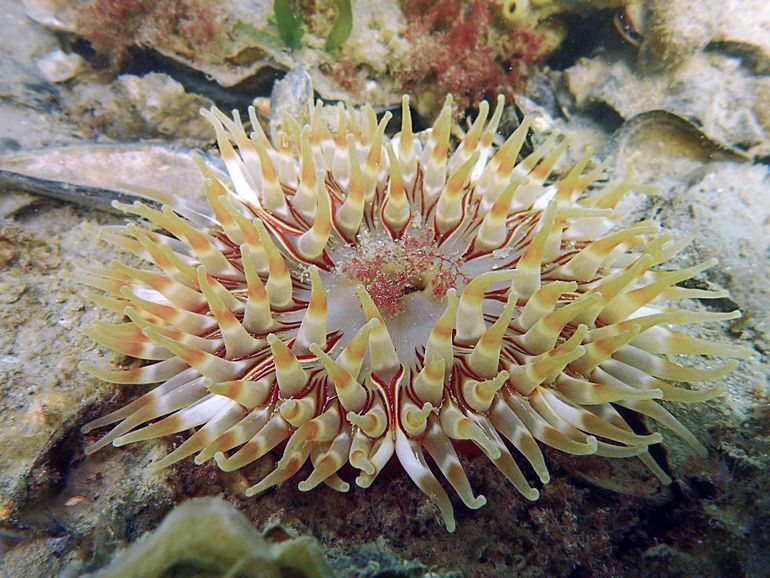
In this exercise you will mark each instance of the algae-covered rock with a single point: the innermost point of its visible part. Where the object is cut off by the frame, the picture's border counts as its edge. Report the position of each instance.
(231, 41)
(540, 10)
(62, 514)
(713, 90)
(134, 107)
(42, 395)
(209, 535)
(673, 31)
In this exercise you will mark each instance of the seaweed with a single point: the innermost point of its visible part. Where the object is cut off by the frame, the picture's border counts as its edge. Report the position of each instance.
(263, 38)
(291, 31)
(342, 26)
(112, 26)
(288, 23)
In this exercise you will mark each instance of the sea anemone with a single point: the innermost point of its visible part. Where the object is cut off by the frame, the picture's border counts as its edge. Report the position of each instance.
(353, 296)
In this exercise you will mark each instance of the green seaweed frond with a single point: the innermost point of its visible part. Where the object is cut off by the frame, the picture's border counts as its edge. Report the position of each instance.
(260, 36)
(290, 30)
(288, 23)
(342, 26)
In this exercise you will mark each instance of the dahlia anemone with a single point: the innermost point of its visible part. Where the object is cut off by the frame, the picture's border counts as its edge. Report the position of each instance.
(355, 296)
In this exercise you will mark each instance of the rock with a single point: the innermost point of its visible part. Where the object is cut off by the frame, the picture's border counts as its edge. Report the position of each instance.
(534, 11)
(213, 38)
(11, 202)
(673, 31)
(710, 89)
(742, 242)
(136, 107)
(108, 501)
(98, 174)
(58, 66)
(43, 395)
(29, 116)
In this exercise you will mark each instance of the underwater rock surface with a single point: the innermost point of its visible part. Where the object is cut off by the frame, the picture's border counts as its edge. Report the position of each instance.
(727, 101)
(232, 41)
(672, 31)
(60, 511)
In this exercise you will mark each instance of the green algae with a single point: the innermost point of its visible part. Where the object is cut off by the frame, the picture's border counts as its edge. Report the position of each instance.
(288, 23)
(210, 536)
(342, 26)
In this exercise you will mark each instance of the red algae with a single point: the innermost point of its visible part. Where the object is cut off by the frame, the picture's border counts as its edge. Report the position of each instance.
(112, 26)
(459, 48)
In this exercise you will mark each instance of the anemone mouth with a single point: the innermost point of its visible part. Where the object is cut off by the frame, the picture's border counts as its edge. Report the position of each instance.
(356, 298)
(392, 270)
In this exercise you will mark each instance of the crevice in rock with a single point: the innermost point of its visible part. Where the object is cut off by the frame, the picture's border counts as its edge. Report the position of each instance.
(142, 61)
(586, 36)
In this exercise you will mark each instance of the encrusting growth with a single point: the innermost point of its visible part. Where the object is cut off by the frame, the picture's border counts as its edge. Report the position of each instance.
(357, 296)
